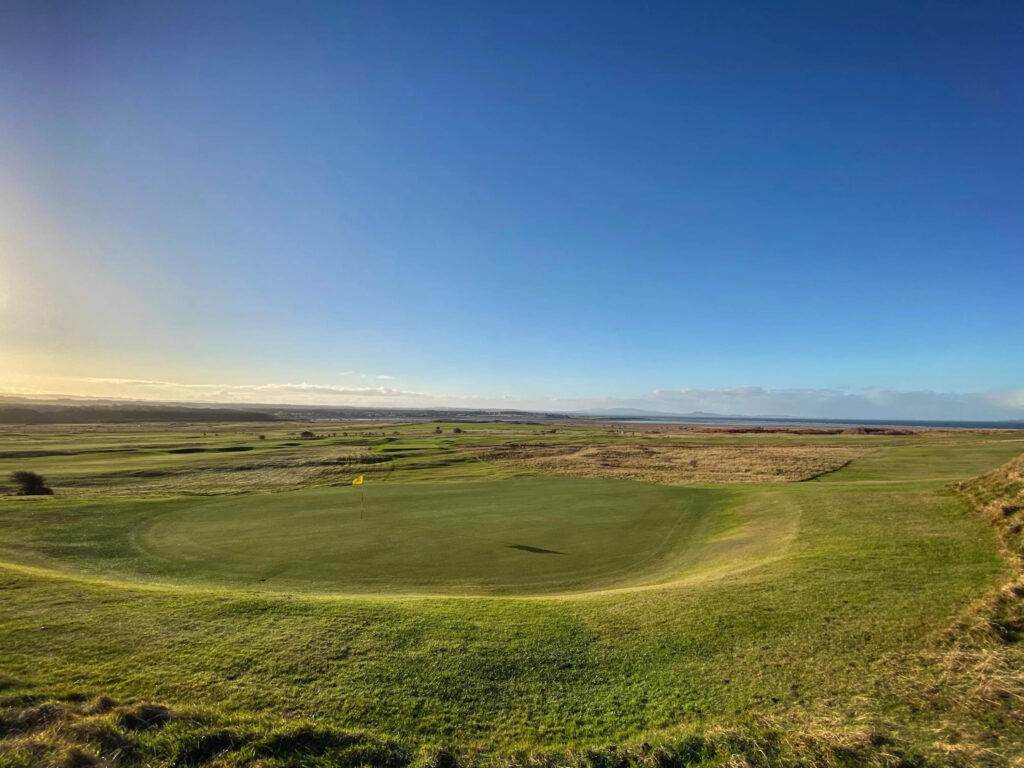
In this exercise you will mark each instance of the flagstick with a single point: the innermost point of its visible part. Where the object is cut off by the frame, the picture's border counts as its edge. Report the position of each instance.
(362, 500)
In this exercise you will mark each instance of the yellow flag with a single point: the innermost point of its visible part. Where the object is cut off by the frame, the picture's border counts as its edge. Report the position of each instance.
(358, 480)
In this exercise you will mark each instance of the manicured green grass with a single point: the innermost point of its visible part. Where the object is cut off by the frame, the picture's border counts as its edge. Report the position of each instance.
(806, 603)
(521, 536)
(927, 462)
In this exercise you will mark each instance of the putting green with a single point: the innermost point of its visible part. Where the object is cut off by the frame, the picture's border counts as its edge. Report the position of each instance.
(520, 536)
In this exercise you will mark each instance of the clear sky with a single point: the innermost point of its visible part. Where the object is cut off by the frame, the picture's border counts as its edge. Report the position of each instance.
(813, 208)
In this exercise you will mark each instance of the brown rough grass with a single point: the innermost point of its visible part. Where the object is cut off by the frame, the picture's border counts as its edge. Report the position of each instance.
(760, 430)
(105, 734)
(671, 464)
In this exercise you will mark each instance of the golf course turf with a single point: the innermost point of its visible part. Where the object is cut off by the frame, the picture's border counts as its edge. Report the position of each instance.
(517, 536)
(652, 613)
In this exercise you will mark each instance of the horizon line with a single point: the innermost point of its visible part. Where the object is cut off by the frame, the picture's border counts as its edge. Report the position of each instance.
(642, 414)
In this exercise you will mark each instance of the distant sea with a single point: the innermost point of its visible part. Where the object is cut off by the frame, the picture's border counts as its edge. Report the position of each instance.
(766, 422)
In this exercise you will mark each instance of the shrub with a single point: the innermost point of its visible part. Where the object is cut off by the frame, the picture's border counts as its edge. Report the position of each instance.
(30, 484)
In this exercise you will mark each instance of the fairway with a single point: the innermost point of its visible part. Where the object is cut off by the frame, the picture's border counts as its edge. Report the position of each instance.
(463, 600)
(521, 536)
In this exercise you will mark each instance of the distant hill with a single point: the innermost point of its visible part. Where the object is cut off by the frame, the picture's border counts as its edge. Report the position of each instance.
(115, 414)
(640, 413)
(61, 409)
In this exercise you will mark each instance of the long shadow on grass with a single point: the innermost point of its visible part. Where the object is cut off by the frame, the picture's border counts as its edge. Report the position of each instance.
(537, 550)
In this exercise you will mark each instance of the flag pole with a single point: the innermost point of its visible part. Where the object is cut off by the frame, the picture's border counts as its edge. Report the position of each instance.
(362, 495)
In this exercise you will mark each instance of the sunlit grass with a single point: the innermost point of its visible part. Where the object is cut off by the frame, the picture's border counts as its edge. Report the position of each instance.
(812, 608)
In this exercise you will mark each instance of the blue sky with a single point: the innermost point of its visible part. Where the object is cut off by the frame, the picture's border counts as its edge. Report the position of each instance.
(538, 204)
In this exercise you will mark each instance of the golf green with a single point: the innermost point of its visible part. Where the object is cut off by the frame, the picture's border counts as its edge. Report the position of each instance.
(519, 536)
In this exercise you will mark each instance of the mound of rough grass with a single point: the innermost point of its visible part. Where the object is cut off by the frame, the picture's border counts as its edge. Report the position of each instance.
(78, 733)
(101, 732)
(675, 464)
(999, 497)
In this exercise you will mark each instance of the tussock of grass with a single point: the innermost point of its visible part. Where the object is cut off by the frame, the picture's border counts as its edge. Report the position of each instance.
(999, 496)
(56, 734)
(980, 657)
(67, 735)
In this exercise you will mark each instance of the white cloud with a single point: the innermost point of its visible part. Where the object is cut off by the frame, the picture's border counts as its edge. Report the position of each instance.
(299, 393)
(381, 376)
(875, 403)
(836, 403)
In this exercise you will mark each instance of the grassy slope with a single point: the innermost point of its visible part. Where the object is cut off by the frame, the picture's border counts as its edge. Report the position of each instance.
(881, 560)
